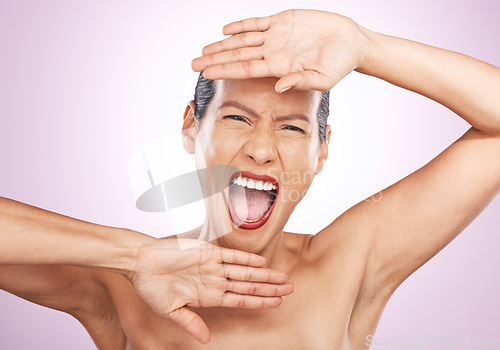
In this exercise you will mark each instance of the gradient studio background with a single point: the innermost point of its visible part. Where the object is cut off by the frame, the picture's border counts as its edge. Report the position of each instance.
(84, 85)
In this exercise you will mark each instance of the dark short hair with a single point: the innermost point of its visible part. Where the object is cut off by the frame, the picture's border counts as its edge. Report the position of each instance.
(205, 91)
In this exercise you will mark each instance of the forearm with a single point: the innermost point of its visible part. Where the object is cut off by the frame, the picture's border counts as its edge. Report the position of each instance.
(466, 86)
(30, 235)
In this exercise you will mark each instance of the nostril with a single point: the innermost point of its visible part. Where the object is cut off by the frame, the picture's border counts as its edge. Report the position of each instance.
(260, 150)
(260, 160)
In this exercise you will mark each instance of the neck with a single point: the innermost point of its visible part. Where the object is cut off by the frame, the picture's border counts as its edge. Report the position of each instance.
(274, 247)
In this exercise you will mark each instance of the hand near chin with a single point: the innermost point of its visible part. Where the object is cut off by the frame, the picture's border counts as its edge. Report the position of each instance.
(169, 276)
(306, 49)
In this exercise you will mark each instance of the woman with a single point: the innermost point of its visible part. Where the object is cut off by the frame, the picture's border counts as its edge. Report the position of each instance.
(267, 128)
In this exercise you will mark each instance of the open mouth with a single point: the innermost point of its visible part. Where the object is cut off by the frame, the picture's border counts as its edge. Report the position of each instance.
(251, 199)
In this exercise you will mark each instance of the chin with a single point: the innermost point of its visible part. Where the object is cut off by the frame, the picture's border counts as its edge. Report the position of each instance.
(250, 241)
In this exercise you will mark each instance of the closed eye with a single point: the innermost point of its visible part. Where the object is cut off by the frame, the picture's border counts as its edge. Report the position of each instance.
(294, 128)
(237, 117)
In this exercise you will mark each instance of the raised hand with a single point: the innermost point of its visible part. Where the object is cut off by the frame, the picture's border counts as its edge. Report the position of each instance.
(168, 279)
(306, 49)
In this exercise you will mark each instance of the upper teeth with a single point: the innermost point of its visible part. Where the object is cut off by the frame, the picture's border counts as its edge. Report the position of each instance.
(253, 184)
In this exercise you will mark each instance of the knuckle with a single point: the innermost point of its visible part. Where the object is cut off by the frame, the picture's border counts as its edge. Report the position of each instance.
(247, 68)
(225, 268)
(261, 52)
(243, 38)
(236, 53)
(269, 278)
(173, 315)
(248, 274)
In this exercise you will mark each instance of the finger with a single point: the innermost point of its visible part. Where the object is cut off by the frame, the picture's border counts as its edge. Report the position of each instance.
(260, 289)
(305, 80)
(288, 81)
(235, 42)
(238, 55)
(233, 256)
(253, 274)
(238, 70)
(256, 24)
(192, 323)
(231, 299)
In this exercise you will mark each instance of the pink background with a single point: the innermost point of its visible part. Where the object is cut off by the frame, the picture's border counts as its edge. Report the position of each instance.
(85, 84)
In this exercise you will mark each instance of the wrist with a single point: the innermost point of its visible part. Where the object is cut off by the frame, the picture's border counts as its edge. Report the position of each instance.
(367, 48)
(132, 255)
(123, 251)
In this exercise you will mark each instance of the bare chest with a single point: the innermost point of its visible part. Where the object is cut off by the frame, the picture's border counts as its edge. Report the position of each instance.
(311, 318)
(317, 315)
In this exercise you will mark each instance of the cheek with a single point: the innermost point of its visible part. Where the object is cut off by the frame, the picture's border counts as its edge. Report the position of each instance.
(203, 151)
(300, 157)
(299, 165)
(210, 149)
(313, 156)
(294, 187)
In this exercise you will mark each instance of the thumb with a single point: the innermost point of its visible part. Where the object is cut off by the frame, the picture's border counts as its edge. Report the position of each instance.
(287, 81)
(192, 323)
(304, 80)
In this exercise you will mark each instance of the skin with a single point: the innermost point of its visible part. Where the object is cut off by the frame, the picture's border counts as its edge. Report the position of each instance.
(263, 143)
(344, 275)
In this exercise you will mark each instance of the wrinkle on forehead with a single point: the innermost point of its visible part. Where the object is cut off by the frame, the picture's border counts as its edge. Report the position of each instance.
(269, 99)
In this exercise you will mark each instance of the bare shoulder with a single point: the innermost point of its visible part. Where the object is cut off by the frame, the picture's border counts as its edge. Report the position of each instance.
(343, 251)
(348, 237)
(346, 248)
(348, 243)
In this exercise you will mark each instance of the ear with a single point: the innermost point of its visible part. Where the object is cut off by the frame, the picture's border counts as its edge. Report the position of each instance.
(189, 128)
(323, 150)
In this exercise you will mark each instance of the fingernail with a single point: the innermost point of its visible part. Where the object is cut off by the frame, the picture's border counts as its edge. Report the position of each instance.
(285, 89)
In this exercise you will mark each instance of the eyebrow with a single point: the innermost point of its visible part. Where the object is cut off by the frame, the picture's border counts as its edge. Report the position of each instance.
(239, 106)
(255, 114)
(292, 117)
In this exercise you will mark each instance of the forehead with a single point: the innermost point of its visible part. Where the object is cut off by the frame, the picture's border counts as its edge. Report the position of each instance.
(259, 94)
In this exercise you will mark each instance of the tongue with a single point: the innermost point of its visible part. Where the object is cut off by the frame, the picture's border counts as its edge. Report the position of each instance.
(249, 204)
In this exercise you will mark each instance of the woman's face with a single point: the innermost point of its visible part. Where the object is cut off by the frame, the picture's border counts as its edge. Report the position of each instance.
(273, 140)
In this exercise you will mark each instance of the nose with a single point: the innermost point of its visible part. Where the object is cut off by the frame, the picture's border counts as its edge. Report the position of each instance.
(260, 147)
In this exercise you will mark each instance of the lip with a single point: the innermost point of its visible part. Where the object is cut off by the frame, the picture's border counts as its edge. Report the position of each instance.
(252, 225)
(259, 177)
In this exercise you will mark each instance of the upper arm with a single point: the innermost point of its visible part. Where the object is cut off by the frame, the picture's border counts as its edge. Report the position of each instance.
(61, 287)
(413, 219)
(419, 215)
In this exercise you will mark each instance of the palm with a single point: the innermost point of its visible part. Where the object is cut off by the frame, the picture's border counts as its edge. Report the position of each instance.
(168, 279)
(307, 49)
